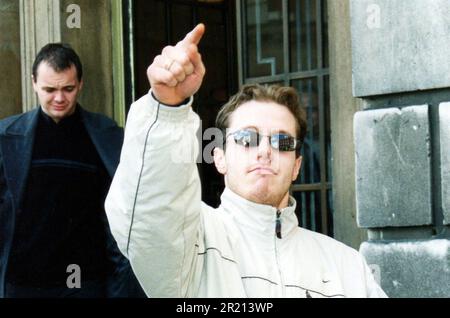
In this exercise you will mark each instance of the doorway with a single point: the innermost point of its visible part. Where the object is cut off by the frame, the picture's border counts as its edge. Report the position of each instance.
(157, 23)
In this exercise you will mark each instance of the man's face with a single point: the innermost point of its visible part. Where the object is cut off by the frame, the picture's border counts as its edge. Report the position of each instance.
(57, 91)
(259, 174)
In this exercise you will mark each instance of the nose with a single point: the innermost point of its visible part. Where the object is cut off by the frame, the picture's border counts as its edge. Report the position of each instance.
(264, 148)
(59, 97)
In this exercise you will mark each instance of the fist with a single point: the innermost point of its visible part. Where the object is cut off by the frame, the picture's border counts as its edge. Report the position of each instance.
(177, 73)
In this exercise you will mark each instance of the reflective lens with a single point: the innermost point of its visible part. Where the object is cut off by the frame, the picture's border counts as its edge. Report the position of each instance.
(251, 138)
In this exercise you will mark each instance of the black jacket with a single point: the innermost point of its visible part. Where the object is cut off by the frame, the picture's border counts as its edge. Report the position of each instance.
(16, 149)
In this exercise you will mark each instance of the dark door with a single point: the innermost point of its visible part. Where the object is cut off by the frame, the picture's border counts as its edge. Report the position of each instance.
(157, 23)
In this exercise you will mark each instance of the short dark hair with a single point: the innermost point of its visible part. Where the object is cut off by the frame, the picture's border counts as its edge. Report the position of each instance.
(282, 95)
(60, 56)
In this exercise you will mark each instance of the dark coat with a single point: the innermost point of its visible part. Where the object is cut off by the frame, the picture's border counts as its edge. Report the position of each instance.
(16, 150)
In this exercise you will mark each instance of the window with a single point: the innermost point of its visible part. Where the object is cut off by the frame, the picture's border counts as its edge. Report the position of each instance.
(286, 42)
(170, 20)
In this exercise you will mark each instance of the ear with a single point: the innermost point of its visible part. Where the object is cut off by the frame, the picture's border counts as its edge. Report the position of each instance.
(33, 80)
(220, 160)
(297, 166)
(81, 84)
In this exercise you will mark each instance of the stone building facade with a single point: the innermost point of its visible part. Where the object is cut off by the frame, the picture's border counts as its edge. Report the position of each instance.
(401, 71)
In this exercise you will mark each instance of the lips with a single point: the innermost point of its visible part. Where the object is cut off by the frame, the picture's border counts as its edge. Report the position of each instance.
(262, 170)
(59, 108)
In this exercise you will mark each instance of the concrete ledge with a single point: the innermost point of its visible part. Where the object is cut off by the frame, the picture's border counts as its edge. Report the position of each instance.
(411, 269)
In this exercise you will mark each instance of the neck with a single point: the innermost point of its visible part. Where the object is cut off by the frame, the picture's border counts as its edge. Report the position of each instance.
(284, 202)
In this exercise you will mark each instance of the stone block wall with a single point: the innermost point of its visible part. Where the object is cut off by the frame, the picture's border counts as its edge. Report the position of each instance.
(402, 142)
(401, 199)
(412, 268)
(393, 168)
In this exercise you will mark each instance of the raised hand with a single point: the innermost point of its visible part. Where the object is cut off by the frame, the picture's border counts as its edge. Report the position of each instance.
(177, 73)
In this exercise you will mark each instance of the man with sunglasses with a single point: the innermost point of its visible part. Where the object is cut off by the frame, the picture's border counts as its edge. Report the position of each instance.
(251, 246)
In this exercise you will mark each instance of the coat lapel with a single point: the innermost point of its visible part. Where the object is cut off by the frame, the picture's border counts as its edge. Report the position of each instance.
(107, 138)
(17, 148)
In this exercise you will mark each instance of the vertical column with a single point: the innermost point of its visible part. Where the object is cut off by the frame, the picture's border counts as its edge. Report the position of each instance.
(118, 61)
(10, 85)
(92, 38)
(39, 25)
(343, 108)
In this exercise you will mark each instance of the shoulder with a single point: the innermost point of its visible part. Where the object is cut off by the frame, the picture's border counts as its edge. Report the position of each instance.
(328, 245)
(335, 255)
(346, 264)
(102, 118)
(7, 122)
(99, 120)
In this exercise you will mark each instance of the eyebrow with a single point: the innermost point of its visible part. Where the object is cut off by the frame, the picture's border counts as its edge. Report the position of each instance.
(52, 87)
(282, 131)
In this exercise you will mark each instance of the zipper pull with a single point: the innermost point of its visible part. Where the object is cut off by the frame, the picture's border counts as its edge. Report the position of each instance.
(278, 224)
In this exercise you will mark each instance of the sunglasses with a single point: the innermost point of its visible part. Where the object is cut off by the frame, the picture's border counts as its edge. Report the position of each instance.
(250, 138)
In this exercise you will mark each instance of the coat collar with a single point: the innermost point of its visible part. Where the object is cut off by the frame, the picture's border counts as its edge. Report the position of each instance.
(259, 217)
(107, 138)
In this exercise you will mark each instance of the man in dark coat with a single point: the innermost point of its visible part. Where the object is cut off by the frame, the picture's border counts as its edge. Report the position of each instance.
(56, 165)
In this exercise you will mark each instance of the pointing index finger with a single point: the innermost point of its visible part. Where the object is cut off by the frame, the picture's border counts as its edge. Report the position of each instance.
(194, 36)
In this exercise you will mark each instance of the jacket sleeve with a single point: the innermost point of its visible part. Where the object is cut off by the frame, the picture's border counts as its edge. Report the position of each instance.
(154, 202)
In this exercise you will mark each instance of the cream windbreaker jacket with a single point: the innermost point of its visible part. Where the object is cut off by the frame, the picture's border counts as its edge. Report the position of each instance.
(180, 247)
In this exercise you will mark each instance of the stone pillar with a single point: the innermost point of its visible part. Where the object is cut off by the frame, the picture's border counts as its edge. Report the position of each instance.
(402, 75)
(10, 81)
(92, 40)
(343, 107)
(39, 25)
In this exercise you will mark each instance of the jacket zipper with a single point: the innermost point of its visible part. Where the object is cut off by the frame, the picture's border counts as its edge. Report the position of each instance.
(278, 224)
(278, 235)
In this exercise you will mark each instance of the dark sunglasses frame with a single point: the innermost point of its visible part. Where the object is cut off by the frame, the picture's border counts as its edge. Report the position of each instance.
(279, 141)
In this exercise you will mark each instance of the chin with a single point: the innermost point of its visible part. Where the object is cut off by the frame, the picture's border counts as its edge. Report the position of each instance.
(58, 114)
(263, 183)
(261, 192)
(266, 193)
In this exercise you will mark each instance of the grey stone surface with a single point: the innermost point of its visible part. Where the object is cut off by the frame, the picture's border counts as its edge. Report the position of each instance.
(10, 82)
(393, 167)
(343, 108)
(400, 45)
(444, 124)
(40, 24)
(93, 43)
(402, 233)
(411, 269)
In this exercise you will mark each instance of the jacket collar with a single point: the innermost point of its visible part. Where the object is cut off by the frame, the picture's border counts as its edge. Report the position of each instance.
(259, 217)
(106, 136)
